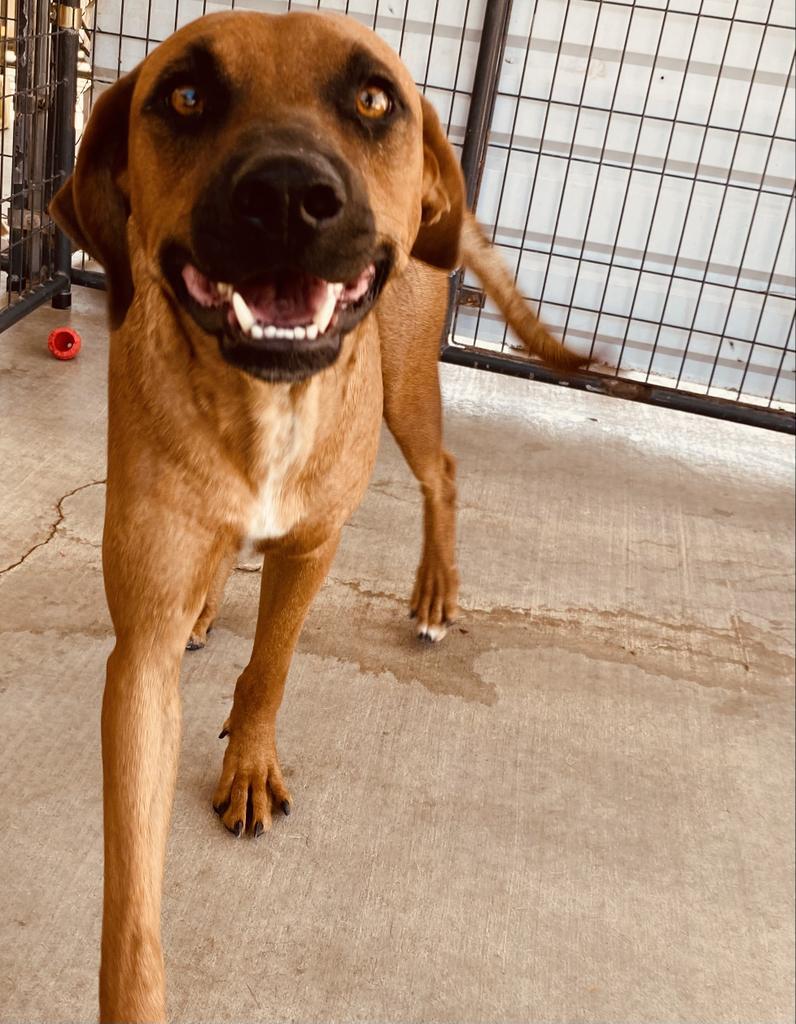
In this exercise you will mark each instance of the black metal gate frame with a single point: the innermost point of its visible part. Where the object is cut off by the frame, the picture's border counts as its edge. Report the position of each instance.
(484, 92)
(59, 121)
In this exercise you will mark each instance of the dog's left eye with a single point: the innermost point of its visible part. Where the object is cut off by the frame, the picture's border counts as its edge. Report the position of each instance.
(373, 102)
(186, 101)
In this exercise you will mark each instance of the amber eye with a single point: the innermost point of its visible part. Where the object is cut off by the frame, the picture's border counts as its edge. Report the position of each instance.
(186, 101)
(373, 102)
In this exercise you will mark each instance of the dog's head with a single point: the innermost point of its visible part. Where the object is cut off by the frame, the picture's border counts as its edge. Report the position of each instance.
(277, 169)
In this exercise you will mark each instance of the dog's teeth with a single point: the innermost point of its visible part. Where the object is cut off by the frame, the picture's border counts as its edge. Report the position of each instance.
(299, 333)
(242, 312)
(270, 331)
(257, 332)
(312, 332)
(338, 290)
(324, 315)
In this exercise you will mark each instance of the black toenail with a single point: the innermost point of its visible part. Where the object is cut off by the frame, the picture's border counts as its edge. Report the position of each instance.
(223, 734)
(238, 830)
(286, 807)
(258, 829)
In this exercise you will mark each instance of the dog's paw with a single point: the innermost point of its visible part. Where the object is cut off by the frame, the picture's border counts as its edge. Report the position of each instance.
(198, 637)
(251, 786)
(434, 604)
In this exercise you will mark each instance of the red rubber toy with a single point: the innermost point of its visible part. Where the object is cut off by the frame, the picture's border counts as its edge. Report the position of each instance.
(64, 343)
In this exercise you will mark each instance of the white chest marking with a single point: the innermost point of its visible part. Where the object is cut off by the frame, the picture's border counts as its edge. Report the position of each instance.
(287, 435)
(269, 519)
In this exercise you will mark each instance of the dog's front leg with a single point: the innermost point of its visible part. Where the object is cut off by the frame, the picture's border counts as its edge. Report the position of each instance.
(413, 411)
(156, 585)
(251, 778)
(140, 740)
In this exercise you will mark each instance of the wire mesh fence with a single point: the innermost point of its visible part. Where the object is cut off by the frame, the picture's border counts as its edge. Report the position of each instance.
(633, 161)
(37, 84)
(438, 40)
(639, 178)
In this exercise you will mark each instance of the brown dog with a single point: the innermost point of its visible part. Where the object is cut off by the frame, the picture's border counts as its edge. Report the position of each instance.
(276, 209)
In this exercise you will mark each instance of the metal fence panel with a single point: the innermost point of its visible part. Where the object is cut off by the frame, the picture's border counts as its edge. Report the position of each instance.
(36, 67)
(639, 178)
(437, 39)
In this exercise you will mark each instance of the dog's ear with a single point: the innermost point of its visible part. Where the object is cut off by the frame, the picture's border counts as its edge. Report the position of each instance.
(443, 202)
(92, 206)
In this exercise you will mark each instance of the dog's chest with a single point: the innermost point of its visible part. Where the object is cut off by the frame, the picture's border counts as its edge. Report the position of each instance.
(286, 433)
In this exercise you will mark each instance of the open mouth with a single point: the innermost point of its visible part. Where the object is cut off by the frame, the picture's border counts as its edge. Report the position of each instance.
(277, 325)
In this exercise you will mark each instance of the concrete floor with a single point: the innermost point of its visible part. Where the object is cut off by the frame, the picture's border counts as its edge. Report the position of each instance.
(578, 808)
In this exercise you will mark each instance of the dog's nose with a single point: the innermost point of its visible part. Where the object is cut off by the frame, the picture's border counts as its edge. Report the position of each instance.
(288, 194)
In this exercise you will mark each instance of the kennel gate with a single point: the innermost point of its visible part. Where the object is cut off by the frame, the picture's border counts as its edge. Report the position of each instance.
(38, 65)
(632, 160)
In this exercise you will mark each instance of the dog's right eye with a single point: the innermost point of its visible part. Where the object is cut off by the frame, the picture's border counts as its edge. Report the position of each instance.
(186, 101)
(373, 102)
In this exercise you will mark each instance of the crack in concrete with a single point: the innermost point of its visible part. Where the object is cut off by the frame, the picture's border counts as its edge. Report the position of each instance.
(53, 530)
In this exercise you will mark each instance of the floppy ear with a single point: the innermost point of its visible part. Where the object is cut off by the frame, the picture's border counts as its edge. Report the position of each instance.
(443, 202)
(91, 206)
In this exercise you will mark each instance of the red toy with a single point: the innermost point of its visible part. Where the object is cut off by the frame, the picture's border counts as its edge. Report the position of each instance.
(64, 343)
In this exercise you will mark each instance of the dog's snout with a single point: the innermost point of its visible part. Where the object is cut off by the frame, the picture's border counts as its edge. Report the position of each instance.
(283, 200)
(284, 194)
